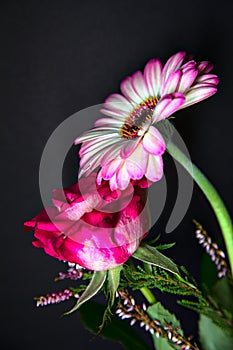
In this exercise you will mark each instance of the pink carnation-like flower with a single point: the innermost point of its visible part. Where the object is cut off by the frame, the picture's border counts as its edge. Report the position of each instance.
(126, 144)
(91, 225)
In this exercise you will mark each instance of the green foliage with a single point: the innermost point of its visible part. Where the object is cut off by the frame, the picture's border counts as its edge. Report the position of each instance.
(213, 337)
(165, 246)
(151, 255)
(161, 279)
(219, 309)
(113, 283)
(93, 287)
(158, 312)
(116, 330)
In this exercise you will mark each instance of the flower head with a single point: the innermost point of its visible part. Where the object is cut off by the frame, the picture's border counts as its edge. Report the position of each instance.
(92, 226)
(126, 144)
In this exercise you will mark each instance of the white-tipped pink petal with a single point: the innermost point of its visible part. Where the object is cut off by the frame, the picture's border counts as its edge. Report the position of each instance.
(173, 64)
(205, 67)
(154, 170)
(208, 78)
(153, 142)
(172, 83)
(187, 79)
(188, 65)
(168, 105)
(152, 74)
(115, 122)
(121, 115)
(139, 85)
(129, 92)
(111, 153)
(117, 102)
(92, 134)
(197, 95)
(122, 177)
(99, 177)
(136, 164)
(129, 147)
(111, 168)
(113, 183)
(96, 146)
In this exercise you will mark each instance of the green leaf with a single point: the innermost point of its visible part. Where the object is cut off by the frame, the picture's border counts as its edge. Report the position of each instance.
(116, 330)
(208, 273)
(165, 246)
(162, 344)
(213, 337)
(158, 312)
(113, 282)
(151, 255)
(93, 287)
(222, 294)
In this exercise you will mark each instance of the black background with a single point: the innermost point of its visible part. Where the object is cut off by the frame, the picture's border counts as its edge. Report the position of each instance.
(58, 57)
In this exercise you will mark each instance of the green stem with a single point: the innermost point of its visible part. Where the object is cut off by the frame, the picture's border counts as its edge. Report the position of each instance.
(211, 194)
(148, 295)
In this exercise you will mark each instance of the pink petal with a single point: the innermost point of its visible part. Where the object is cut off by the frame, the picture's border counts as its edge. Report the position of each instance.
(152, 74)
(128, 147)
(115, 122)
(97, 145)
(92, 134)
(205, 67)
(128, 90)
(113, 152)
(208, 78)
(113, 183)
(168, 105)
(172, 83)
(136, 164)
(99, 177)
(117, 102)
(173, 64)
(111, 168)
(139, 85)
(188, 65)
(154, 170)
(187, 79)
(197, 95)
(115, 114)
(153, 142)
(122, 178)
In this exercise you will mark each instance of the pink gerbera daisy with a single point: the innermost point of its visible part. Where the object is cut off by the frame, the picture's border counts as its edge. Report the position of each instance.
(126, 144)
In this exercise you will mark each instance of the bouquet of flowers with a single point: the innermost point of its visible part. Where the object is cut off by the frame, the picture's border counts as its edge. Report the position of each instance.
(103, 225)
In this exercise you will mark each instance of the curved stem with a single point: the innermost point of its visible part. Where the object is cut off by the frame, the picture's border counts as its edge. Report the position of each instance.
(148, 295)
(211, 194)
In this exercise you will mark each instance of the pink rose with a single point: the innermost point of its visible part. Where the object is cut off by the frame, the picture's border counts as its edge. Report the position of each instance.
(91, 225)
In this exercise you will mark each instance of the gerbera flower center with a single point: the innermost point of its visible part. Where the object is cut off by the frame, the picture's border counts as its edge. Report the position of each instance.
(134, 122)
